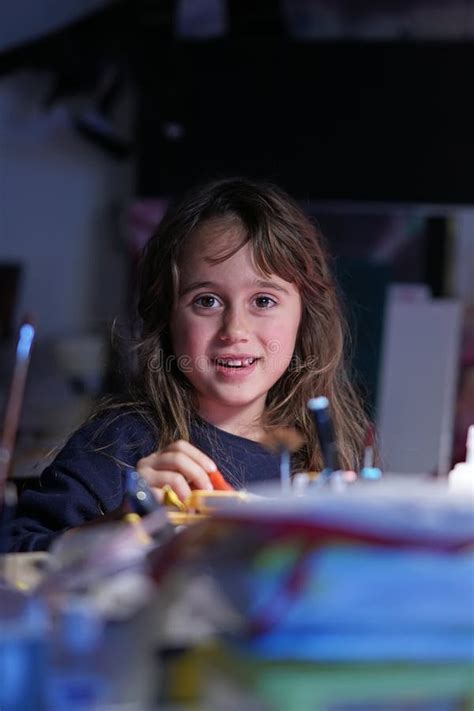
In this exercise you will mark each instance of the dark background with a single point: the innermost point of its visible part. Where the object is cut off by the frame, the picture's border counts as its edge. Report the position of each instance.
(339, 120)
(328, 118)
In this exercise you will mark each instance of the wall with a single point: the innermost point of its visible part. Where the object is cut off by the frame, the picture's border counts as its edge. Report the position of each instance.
(60, 206)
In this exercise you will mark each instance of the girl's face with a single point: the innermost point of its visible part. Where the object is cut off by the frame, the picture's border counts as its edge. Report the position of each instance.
(233, 329)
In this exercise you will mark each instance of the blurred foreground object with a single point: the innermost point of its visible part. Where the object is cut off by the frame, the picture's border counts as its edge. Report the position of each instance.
(461, 478)
(361, 599)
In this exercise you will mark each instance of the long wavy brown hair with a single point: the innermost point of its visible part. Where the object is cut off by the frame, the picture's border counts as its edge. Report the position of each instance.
(284, 242)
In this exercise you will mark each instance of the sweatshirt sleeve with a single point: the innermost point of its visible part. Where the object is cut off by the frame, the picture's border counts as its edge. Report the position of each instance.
(84, 481)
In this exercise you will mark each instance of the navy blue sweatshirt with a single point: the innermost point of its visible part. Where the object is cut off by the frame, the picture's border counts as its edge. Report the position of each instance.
(86, 478)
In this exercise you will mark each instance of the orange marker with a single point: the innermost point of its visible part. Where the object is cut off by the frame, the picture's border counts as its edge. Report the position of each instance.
(218, 481)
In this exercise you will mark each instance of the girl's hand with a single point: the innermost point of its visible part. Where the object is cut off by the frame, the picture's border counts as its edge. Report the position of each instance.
(181, 465)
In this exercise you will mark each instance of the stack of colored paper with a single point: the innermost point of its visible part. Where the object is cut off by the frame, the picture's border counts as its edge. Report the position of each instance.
(366, 596)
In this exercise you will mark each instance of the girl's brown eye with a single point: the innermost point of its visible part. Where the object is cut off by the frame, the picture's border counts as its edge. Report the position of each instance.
(264, 302)
(206, 302)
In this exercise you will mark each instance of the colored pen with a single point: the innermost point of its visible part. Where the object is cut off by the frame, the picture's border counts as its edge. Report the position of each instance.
(15, 401)
(319, 407)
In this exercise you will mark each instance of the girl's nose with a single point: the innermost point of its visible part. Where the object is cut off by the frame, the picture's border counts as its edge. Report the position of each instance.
(234, 326)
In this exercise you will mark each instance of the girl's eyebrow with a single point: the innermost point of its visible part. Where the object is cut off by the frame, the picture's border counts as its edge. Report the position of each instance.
(263, 284)
(196, 285)
(270, 285)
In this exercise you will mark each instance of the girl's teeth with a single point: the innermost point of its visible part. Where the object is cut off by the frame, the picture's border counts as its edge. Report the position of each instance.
(236, 363)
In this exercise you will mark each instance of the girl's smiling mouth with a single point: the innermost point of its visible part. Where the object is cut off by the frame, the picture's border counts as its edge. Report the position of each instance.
(233, 365)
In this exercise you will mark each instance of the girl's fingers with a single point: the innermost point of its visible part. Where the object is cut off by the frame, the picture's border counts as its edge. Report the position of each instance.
(158, 493)
(158, 479)
(194, 453)
(182, 463)
(185, 459)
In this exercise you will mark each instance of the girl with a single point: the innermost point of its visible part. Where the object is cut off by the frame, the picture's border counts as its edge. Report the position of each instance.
(240, 326)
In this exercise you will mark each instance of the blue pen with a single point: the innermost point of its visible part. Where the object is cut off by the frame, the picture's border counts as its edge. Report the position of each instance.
(15, 402)
(369, 471)
(139, 498)
(319, 407)
(10, 427)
